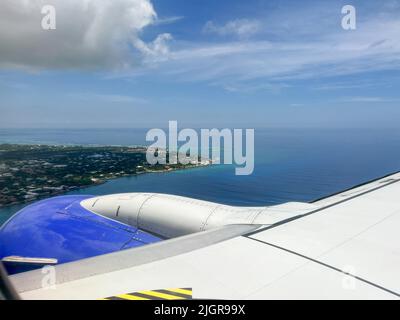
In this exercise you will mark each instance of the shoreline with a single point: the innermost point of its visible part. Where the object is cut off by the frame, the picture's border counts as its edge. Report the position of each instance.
(92, 179)
(103, 182)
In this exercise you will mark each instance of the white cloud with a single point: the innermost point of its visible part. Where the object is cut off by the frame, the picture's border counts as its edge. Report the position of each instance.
(244, 87)
(90, 34)
(106, 34)
(374, 46)
(369, 99)
(155, 50)
(350, 85)
(168, 20)
(113, 98)
(239, 27)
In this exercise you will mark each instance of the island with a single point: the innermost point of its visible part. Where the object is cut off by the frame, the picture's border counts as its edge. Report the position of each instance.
(32, 172)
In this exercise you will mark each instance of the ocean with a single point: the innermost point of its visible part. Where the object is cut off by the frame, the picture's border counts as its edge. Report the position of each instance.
(290, 164)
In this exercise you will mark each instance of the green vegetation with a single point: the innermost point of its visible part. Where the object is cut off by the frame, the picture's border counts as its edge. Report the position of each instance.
(31, 172)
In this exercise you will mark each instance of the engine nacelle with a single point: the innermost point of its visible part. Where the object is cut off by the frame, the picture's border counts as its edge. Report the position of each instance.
(167, 215)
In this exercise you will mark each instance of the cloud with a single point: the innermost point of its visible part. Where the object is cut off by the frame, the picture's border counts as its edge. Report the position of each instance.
(248, 55)
(113, 98)
(374, 46)
(240, 27)
(90, 34)
(350, 85)
(168, 20)
(155, 50)
(244, 87)
(369, 99)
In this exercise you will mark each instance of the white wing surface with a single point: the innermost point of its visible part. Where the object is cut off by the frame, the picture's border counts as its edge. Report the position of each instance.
(346, 246)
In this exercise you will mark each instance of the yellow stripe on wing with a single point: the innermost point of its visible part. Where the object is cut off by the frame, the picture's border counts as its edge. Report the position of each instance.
(130, 297)
(161, 295)
(165, 294)
(183, 291)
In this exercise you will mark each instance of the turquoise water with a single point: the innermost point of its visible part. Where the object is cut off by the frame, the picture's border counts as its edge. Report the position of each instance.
(290, 164)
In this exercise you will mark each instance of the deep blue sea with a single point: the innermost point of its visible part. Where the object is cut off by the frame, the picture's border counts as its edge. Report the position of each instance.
(290, 164)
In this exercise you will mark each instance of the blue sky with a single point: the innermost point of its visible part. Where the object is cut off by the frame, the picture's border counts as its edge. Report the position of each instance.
(140, 63)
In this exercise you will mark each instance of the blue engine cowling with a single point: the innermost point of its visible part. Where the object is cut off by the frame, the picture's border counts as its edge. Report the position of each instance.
(60, 228)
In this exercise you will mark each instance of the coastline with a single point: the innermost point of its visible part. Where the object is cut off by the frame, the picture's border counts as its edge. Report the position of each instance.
(7, 211)
(101, 182)
(37, 171)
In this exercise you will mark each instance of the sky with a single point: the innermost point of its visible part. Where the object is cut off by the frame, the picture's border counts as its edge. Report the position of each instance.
(204, 63)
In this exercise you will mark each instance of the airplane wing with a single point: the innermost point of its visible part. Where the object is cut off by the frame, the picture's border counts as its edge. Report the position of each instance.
(346, 246)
